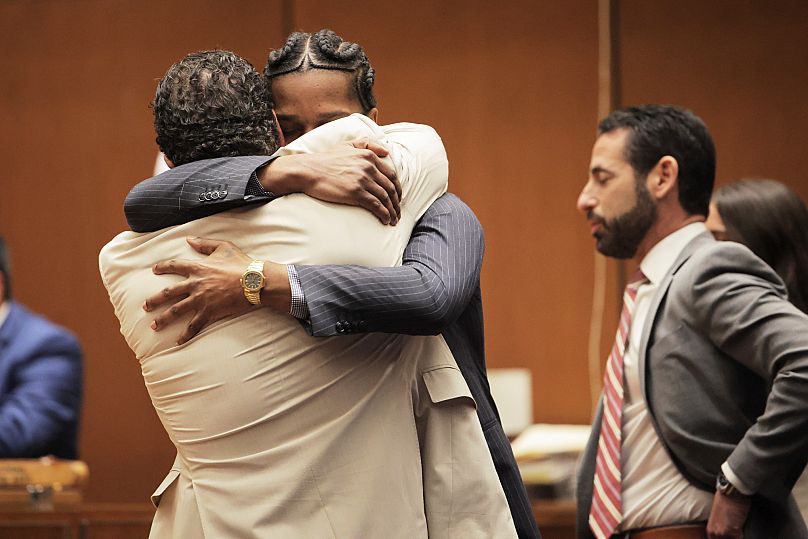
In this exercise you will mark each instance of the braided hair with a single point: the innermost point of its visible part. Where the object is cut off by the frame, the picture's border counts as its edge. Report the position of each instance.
(325, 50)
(213, 104)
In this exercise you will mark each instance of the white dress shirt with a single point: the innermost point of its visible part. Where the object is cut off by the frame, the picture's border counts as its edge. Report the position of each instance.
(654, 492)
(4, 308)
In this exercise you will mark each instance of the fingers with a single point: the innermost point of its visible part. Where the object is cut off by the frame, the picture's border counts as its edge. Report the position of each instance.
(385, 177)
(389, 178)
(177, 267)
(197, 323)
(172, 313)
(373, 146)
(377, 200)
(168, 293)
(393, 190)
(206, 246)
(390, 182)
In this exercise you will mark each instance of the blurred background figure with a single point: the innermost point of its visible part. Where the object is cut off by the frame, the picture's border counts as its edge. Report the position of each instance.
(772, 221)
(40, 380)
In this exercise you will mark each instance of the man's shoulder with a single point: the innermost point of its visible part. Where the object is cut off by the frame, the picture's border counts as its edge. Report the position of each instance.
(34, 331)
(720, 270)
(410, 127)
(452, 205)
(715, 259)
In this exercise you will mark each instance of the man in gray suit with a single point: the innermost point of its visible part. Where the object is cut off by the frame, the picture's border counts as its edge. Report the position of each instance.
(316, 78)
(702, 428)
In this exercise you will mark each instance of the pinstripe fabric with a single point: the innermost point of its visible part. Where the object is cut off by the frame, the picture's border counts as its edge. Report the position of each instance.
(436, 290)
(178, 195)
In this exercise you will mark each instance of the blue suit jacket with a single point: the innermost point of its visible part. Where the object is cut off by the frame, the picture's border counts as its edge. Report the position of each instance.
(40, 387)
(435, 291)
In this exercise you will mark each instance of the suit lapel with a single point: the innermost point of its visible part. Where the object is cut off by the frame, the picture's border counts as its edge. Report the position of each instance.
(662, 290)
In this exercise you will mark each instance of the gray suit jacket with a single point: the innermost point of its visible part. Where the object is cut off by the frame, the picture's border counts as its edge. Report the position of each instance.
(724, 370)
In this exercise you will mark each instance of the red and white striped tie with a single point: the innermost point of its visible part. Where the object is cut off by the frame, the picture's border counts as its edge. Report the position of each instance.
(607, 507)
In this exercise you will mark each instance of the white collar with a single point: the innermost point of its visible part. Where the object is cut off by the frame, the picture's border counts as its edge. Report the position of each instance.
(5, 307)
(659, 260)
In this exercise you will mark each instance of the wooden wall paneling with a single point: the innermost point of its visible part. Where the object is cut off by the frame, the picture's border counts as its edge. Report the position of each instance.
(76, 135)
(740, 65)
(512, 89)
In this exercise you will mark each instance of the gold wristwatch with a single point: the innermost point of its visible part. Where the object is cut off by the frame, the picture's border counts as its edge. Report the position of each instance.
(252, 282)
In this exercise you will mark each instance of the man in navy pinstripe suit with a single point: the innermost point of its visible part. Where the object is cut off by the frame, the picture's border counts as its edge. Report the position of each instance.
(318, 78)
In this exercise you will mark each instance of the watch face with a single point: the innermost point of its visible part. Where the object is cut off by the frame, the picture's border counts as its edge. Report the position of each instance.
(252, 280)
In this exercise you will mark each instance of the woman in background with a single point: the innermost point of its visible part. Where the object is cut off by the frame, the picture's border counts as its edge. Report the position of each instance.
(772, 221)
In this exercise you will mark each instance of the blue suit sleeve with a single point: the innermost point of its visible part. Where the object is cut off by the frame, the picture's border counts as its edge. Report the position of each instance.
(44, 399)
(439, 275)
(194, 190)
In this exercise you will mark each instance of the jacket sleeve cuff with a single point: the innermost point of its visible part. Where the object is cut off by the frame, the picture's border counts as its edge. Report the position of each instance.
(299, 309)
(736, 482)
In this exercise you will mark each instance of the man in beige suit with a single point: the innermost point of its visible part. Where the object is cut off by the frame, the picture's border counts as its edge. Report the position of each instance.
(280, 434)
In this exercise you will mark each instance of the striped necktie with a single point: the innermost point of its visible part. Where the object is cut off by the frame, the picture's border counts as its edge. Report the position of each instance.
(607, 508)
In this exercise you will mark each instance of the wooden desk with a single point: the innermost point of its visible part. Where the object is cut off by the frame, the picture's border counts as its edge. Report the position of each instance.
(84, 521)
(556, 518)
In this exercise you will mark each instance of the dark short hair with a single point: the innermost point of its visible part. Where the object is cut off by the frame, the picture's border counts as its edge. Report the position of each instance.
(660, 130)
(5, 269)
(772, 221)
(213, 104)
(325, 50)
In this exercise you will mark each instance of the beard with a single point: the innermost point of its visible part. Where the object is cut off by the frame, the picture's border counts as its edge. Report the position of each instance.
(620, 237)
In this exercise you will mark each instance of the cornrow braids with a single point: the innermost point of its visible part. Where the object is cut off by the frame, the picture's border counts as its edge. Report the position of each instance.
(324, 50)
(213, 104)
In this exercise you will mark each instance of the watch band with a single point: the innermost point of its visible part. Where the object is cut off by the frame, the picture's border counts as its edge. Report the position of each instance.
(253, 292)
(725, 487)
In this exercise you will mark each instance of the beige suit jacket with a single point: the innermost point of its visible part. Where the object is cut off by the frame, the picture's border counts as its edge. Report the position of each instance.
(280, 434)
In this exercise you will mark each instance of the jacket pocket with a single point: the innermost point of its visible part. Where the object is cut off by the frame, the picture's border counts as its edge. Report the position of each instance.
(446, 384)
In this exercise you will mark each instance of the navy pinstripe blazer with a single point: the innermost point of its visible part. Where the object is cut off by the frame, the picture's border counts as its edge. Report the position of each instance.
(435, 291)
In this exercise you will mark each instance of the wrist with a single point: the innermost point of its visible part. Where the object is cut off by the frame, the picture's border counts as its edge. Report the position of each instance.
(725, 487)
(281, 177)
(277, 293)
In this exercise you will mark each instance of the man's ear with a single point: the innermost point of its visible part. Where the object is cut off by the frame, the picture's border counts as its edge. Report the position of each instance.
(664, 177)
(373, 114)
(168, 161)
(281, 137)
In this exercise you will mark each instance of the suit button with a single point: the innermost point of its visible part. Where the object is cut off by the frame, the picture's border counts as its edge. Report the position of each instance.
(340, 327)
(201, 197)
(362, 325)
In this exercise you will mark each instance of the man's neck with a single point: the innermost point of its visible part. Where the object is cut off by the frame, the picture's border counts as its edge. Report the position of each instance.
(662, 228)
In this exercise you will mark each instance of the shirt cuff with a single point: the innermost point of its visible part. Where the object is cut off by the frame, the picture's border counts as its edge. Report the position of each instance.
(299, 308)
(255, 189)
(737, 483)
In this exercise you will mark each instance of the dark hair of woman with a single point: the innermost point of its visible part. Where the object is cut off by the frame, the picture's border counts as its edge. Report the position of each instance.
(772, 221)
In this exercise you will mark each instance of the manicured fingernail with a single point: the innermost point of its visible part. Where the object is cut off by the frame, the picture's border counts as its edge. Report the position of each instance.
(154, 326)
(146, 307)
